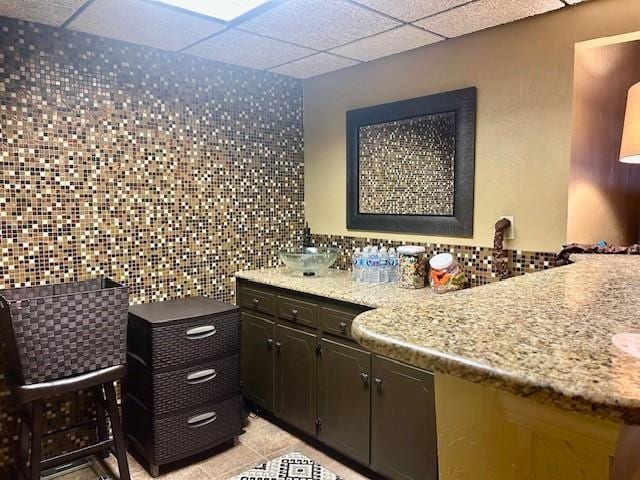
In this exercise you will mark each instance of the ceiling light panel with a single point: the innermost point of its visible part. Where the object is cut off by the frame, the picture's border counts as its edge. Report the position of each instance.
(314, 65)
(485, 14)
(412, 10)
(318, 24)
(143, 23)
(51, 12)
(393, 41)
(248, 50)
(225, 10)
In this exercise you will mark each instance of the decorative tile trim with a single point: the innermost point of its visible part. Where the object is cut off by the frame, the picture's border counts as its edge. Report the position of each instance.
(476, 261)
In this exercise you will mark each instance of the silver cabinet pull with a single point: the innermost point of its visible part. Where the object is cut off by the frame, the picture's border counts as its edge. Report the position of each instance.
(343, 327)
(197, 333)
(201, 376)
(202, 419)
(256, 301)
(294, 312)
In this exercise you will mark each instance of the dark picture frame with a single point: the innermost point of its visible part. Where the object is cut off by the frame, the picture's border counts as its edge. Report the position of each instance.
(463, 104)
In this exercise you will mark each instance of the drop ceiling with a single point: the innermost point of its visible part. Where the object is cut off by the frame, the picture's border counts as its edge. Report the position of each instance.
(301, 38)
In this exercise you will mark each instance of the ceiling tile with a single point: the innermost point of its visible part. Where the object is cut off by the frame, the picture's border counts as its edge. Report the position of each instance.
(314, 65)
(411, 10)
(51, 12)
(319, 24)
(484, 14)
(143, 23)
(393, 41)
(248, 50)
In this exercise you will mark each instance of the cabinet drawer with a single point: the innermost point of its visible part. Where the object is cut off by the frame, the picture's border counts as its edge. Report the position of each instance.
(195, 340)
(337, 321)
(298, 311)
(258, 300)
(188, 432)
(200, 427)
(195, 385)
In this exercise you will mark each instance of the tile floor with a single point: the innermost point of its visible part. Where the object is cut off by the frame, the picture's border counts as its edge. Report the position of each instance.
(262, 441)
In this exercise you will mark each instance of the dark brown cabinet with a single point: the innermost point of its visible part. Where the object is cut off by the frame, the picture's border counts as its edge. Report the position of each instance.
(257, 363)
(296, 382)
(300, 363)
(182, 394)
(403, 429)
(344, 399)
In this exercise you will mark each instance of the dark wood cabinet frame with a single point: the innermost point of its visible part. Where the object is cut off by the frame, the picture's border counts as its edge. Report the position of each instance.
(463, 103)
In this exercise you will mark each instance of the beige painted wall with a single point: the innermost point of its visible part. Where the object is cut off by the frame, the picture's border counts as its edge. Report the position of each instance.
(524, 75)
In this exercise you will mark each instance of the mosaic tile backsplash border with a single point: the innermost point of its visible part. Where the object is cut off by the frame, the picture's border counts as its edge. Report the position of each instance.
(477, 262)
(164, 172)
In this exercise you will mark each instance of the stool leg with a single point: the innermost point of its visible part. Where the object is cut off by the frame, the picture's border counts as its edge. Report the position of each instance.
(116, 428)
(36, 439)
(22, 448)
(23, 440)
(103, 433)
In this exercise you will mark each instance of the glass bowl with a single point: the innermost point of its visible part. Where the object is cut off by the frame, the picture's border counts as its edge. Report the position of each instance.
(308, 261)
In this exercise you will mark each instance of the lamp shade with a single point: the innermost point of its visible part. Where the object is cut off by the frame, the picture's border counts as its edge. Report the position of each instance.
(630, 146)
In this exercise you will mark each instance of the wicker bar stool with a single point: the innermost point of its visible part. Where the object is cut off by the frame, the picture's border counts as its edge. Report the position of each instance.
(32, 398)
(60, 339)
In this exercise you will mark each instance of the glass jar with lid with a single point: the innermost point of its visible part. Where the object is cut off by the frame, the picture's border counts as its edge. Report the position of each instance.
(411, 269)
(445, 274)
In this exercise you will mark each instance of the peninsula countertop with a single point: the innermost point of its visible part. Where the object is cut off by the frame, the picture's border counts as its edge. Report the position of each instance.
(546, 336)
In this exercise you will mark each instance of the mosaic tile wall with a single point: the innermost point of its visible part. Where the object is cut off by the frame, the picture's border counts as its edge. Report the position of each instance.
(477, 262)
(162, 171)
(406, 167)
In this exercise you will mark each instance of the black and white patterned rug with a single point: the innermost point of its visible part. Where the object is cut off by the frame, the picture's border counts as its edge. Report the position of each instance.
(292, 466)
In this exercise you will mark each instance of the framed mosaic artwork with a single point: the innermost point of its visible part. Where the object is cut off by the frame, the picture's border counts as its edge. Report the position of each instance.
(410, 165)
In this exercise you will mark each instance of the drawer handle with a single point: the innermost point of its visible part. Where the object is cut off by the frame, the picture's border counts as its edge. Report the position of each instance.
(365, 378)
(197, 333)
(269, 343)
(256, 301)
(294, 313)
(378, 382)
(202, 376)
(343, 327)
(278, 346)
(202, 419)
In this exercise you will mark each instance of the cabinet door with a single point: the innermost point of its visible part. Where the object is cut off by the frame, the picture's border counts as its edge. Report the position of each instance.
(403, 427)
(257, 360)
(296, 378)
(344, 399)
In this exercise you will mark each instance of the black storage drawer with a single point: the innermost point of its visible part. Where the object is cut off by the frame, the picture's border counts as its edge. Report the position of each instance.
(171, 437)
(196, 429)
(195, 341)
(182, 393)
(178, 389)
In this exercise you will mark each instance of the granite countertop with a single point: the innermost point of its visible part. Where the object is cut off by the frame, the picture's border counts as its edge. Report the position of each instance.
(547, 336)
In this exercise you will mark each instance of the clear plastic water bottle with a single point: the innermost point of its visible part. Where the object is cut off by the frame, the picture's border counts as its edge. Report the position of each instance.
(364, 272)
(392, 266)
(373, 264)
(383, 275)
(356, 264)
